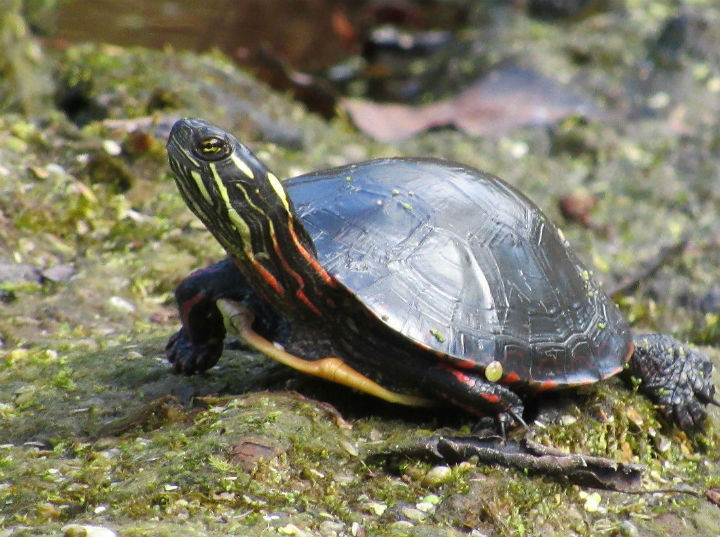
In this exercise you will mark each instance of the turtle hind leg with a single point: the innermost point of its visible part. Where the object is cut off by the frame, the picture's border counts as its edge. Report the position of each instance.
(675, 376)
(476, 395)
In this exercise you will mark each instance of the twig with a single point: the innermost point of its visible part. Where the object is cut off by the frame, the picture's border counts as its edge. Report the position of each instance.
(629, 283)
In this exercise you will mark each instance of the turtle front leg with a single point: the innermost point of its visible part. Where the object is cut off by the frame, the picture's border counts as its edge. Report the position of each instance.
(197, 346)
(675, 376)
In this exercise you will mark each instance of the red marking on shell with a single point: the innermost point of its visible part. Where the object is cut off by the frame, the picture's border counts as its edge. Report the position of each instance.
(465, 364)
(307, 302)
(631, 350)
(330, 302)
(547, 385)
(511, 377)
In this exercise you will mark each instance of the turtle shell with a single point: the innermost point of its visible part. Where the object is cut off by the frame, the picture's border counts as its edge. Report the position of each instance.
(463, 264)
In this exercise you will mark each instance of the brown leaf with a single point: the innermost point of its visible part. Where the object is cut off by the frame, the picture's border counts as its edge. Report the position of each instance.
(138, 142)
(634, 416)
(251, 450)
(577, 206)
(150, 416)
(626, 453)
(395, 122)
(344, 29)
(503, 100)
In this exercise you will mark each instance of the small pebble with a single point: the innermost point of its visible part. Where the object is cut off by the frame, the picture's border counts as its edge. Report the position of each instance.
(413, 514)
(121, 304)
(350, 448)
(292, 529)
(87, 530)
(55, 169)
(432, 499)
(437, 475)
(659, 100)
(111, 147)
(59, 273)
(634, 416)
(662, 443)
(592, 502)
(628, 529)
(425, 507)
(567, 419)
(376, 507)
(331, 528)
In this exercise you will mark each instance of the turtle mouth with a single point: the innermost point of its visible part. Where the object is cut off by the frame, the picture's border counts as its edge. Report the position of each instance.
(178, 144)
(184, 129)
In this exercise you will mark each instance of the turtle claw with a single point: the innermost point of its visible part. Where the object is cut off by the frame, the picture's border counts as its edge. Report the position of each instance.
(497, 426)
(676, 377)
(508, 418)
(188, 358)
(518, 418)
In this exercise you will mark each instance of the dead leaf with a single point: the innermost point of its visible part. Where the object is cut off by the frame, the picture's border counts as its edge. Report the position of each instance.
(344, 29)
(634, 416)
(626, 453)
(395, 122)
(251, 450)
(503, 100)
(150, 416)
(577, 206)
(138, 142)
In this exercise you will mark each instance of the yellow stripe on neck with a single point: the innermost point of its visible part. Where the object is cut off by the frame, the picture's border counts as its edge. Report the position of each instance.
(201, 186)
(242, 166)
(240, 224)
(279, 190)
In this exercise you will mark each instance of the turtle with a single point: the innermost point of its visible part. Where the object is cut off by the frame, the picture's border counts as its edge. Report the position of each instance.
(417, 280)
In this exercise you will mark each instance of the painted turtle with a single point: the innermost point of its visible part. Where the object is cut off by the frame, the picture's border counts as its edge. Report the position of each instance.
(415, 280)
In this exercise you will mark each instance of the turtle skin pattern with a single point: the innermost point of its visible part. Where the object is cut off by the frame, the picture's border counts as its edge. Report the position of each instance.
(198, 345)
(675, 376)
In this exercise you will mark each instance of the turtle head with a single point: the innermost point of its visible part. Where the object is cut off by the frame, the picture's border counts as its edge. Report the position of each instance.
(237, 198)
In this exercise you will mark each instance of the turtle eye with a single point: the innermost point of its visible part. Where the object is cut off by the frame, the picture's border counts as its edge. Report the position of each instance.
(212, 148)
